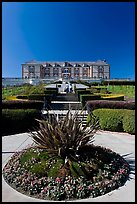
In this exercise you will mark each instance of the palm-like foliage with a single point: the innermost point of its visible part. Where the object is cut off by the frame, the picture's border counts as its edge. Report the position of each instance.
(64, 137)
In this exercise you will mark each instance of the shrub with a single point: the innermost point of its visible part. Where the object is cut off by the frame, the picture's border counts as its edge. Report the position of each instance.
(115, 120)
(86, 97)
(110, 119)
(22, 96)
(115, 97)
(91, 105)
(19, 120)
(82, 92)
(36, 97)
(129, 121)
(11, 98)
(80, 89)
(51, 91)
(118, 82)
(64, 137)
(100, 89)
(20, 104)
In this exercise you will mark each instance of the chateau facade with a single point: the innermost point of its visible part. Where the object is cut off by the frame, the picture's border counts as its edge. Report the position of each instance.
(66, 70)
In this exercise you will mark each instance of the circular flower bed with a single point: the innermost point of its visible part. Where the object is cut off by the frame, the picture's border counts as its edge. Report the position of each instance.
(32, 172)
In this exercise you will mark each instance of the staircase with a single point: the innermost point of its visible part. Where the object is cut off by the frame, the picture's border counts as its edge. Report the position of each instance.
(66, 102)
(63, 103)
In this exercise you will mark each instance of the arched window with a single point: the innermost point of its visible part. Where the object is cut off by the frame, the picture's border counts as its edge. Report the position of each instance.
(66, 71)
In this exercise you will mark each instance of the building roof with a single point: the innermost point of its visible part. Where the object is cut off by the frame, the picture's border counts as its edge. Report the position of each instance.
(79, 63)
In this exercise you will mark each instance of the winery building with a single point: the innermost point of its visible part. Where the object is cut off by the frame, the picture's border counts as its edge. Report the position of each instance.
(67, 70)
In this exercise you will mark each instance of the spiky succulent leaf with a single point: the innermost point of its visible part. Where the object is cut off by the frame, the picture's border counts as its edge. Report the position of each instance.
(64, 137)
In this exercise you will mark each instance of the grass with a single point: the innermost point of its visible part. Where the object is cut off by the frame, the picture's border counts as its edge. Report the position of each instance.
(127, 90)
(22, 90)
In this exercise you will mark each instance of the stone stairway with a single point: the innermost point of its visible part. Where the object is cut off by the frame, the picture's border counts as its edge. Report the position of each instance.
(63, 103)
(66, 102)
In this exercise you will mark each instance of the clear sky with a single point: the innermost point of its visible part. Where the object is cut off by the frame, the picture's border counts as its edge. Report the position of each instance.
(69, 31)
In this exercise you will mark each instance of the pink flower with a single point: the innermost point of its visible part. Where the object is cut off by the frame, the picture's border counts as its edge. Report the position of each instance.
(80, 187)
(122, 171)
(45, 189)
(58, 179)
(90, 187)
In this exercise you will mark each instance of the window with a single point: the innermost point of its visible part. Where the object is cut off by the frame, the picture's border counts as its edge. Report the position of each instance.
(66, 76)
(76, 71)
(100, 69)
(66, 71)
(55, 70)
(46, 75)
(31, 69)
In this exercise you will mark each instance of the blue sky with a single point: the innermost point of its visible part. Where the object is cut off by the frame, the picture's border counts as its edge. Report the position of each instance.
(69, 31)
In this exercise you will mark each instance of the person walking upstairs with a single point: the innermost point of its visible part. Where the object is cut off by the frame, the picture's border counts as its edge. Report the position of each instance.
(70, 88)
(67, 88)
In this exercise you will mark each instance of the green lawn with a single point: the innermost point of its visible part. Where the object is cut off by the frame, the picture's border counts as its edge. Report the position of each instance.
(22, 90)
(127, 90)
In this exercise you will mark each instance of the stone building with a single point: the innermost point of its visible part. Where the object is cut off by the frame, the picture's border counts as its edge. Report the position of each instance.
(67, 70)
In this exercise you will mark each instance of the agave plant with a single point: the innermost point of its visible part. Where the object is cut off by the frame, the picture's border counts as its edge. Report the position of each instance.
(65, 136)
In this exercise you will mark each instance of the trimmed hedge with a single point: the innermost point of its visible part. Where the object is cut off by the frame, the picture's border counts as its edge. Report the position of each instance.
(118, 120)
(38, 97)
(100, 89)
(22, 96)
(115, 97)
(86, 97)
(20, 104)
(51, 91)
(129, 122)
(118, 82)
(91, 105)
(80, 89)
(19, 120)
(110, 119)
(98, 96)
(82, 92)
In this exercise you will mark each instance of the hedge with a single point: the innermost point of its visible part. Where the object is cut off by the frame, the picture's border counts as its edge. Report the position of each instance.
(100, 89)
(22, 96)
(91, 105)
(86, 97)
(82, 92)
(40, 97)
(20, 104)
(115, 97)
(19, 120)
(110, 119)
(51, 91)
(80, 89)
(118, 120)
(120, 82)
(129, 122)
